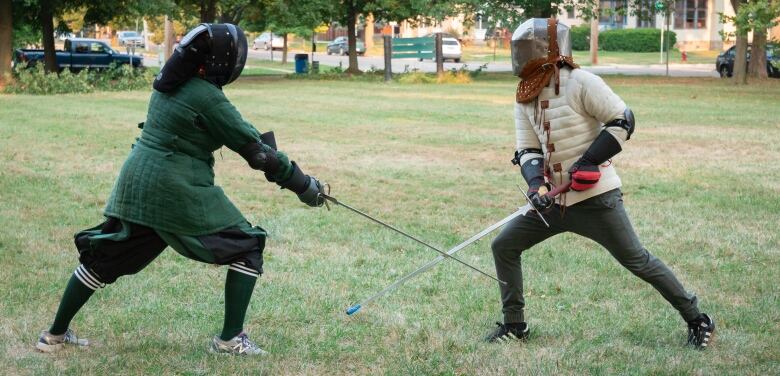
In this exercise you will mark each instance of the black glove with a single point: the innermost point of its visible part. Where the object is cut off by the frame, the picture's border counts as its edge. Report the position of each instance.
(533, 173)
(541, 202)
(311, 196)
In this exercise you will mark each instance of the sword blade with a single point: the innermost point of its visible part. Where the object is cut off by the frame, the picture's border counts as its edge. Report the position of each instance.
(521, 211)
(391, 227)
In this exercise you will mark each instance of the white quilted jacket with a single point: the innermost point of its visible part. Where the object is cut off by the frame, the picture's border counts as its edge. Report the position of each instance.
(565, 125)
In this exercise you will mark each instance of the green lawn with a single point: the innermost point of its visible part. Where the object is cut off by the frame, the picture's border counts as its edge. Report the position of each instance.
(701, 184)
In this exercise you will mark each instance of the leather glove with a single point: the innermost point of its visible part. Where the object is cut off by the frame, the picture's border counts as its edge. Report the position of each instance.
(311, 196)
(541, 202)
(584, 175)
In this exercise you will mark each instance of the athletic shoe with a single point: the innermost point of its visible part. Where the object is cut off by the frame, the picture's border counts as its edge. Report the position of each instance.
(701, 331)
(509, 332)
(50, 343)
(238, 345)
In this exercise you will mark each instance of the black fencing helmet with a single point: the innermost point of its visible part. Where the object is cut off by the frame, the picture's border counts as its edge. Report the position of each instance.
(220, 49)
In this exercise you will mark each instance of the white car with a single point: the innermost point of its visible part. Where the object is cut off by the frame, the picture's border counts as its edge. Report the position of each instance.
(450, 49)
(264, 41)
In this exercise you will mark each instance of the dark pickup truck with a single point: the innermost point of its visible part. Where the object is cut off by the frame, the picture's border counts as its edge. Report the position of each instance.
(79, 54)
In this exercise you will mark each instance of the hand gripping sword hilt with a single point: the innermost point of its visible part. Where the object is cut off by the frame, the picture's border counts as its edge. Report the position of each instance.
(325, 195)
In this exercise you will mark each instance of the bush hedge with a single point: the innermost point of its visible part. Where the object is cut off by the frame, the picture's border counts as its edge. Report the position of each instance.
(34, 80)
(580, 38)
(628, 40)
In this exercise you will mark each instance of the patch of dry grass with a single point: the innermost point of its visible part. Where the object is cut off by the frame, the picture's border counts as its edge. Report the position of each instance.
(700, 182)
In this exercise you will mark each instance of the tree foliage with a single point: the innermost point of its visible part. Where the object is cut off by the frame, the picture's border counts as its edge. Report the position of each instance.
(757, 16)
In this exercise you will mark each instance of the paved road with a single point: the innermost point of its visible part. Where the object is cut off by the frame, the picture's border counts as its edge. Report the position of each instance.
(401, 65)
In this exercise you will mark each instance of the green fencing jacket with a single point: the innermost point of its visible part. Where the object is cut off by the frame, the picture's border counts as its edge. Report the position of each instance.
(167, 181)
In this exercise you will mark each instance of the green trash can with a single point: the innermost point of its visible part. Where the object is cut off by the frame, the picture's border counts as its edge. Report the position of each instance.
(301, 63)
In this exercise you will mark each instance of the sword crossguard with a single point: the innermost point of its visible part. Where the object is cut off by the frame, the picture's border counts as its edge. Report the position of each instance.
(533, 207)
(325, 195)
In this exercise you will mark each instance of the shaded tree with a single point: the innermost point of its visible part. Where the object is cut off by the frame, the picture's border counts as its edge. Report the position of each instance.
(6, 39)
(756, 16)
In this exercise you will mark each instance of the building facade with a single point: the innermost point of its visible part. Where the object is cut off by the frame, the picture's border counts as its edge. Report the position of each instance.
(696, 22)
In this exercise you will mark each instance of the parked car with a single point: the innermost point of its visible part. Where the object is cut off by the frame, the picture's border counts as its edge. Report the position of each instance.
(264, 41)
(450, 47)
(725, 61)
(80, 53)
(130, 38)
(340, 46)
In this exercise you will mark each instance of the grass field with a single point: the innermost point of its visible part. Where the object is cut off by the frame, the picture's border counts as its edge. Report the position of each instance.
(701, 182)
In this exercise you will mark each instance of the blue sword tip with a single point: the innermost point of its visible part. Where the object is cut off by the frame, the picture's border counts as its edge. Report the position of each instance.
(352, 310)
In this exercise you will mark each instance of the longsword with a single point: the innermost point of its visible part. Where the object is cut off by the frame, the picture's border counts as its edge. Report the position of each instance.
(407, 235)
(521, 211)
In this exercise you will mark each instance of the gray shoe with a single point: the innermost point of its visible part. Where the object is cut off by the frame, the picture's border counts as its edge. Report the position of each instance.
(50, 343)
(238, 345)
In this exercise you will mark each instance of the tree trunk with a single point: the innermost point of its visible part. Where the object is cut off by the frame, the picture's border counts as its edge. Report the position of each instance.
(6, 40)
(284, 48)
(208, 10)
(740, 59)
(46, 19)
(369, 31)
(168, 39)
(757, 65)
(352, 35)
(594, 39)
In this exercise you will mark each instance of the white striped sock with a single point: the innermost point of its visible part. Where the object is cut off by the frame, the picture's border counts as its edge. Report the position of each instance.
(239, 267)
(86, 278)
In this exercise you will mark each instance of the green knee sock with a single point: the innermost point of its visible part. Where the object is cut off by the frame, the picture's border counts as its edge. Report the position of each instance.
(76, 294)
(238, 291)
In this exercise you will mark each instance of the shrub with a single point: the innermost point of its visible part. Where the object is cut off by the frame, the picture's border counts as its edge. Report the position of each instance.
(634, 40)
(580, 38)
(35, 80)
(629, 40)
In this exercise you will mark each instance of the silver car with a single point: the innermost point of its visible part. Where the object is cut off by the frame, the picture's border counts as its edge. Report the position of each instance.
(340, 46)
(264, 41)
(130, 38)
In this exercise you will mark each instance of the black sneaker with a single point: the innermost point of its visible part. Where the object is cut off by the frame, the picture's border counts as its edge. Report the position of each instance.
(509, 332)
(701, 331)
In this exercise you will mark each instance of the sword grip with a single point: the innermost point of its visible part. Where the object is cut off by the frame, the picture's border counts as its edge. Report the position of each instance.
(558, 190)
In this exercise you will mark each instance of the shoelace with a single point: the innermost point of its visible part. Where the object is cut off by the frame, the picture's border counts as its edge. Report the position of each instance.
(244, 344)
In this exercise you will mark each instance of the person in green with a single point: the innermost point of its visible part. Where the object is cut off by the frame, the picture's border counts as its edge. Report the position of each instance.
(165, 193)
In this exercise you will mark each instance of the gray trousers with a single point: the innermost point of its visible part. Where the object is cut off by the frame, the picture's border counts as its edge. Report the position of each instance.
(601, 218)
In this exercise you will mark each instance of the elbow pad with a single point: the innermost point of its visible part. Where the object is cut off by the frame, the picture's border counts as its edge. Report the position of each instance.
(260, 157)
(627, 123)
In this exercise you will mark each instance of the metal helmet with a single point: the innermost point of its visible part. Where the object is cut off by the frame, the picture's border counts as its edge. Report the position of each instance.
(221, 49)
(531, 40)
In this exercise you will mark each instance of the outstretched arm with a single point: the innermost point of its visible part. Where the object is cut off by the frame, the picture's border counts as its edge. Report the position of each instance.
(260, 152)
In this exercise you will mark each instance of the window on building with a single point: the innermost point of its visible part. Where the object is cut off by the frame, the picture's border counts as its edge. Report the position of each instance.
(570, 13)
(690, 14)
(613, 13)
(645, 13)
